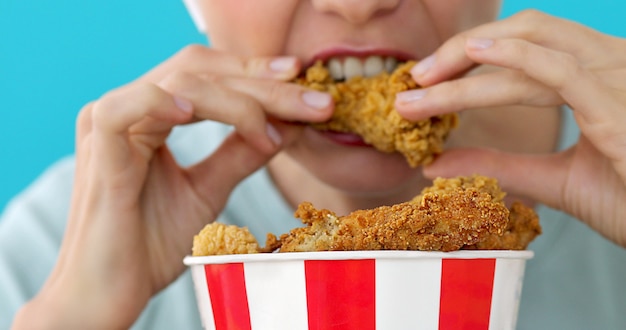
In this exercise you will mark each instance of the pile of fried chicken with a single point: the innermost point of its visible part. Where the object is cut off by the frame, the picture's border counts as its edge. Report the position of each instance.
(452, 214)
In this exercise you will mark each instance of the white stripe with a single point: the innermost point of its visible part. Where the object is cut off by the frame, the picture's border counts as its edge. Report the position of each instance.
(202, 296)
(507, 290)
(276, 295)
(405, 292)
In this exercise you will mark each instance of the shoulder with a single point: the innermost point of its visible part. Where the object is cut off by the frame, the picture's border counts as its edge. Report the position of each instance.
(31, 229)
(46, 198)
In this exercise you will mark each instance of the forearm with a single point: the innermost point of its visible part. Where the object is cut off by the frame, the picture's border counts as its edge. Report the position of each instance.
(54, 310)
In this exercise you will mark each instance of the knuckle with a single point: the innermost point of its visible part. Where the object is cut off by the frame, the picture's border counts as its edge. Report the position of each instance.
(530, 15)
(249, 66)
(177, 81)
(85, 111)
(214, 80)
(569, 61)
(148, 94)
(447, 96)
(455, 86)
(517, 48)
(529, 22)
(571, 70)
(83, 120)
(193, 51)
(118, 102)
(104, 105)
(250, 115)
(275, 92)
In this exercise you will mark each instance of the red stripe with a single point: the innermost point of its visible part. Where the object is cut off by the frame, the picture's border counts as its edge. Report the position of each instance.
(466, 287)
(227, 289)
(341, 294)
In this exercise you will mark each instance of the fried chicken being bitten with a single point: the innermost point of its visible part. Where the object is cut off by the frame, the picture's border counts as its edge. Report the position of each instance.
(439, 220)
(365, 106)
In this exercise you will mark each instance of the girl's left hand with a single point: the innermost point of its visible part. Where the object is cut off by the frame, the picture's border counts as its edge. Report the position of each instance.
(546, 61)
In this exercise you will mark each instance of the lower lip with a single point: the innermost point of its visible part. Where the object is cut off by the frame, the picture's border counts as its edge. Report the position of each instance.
(347, 139)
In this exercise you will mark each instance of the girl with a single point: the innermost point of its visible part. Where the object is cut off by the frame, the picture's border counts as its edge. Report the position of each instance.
(145, 180)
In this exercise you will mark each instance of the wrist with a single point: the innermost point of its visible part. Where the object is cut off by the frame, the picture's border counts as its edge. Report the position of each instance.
(59, 311)
(37, 315)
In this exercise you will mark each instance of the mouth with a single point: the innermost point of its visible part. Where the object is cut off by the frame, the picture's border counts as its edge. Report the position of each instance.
(346, 139)
(346, 63)
(344, 68)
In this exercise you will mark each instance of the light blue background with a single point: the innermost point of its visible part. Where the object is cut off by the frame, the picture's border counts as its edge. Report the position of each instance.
(56, 55)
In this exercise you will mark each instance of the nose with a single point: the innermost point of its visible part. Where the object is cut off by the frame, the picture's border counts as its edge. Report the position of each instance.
(356, 11)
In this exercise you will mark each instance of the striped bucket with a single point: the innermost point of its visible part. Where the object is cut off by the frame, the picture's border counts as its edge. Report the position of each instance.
(360, 290)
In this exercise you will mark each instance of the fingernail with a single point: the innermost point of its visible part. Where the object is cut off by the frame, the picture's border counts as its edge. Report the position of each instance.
(479, 44)
(317, 100)
(423, 66)
(281, 64)
(273, 134)
(185, 105)
(411, 96)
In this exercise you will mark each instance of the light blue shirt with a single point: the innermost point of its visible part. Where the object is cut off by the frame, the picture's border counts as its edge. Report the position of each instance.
(575, 281)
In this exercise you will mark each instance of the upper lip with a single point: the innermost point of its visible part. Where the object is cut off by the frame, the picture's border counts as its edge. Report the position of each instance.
(335, 51)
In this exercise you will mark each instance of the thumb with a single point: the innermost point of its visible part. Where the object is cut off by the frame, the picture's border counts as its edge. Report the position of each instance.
(538, 177)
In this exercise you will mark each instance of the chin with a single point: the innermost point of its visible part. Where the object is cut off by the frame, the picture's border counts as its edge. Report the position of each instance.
(355, 168)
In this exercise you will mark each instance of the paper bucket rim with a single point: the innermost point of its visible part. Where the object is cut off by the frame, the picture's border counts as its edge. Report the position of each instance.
(357, 255)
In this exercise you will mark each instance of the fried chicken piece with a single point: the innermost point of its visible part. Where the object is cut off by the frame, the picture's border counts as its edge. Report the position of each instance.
(446, 217)
(218, 238)
(365, 106)
(523, 228)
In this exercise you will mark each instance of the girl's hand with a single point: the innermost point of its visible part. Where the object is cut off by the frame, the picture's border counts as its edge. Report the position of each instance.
(134, 209)
(546, 61)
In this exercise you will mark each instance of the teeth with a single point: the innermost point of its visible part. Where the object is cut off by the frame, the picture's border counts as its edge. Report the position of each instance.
(390, 64)
(335, 69)
(373, 65)
(350, 66)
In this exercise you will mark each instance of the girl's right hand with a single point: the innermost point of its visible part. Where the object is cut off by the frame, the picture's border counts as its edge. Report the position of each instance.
(134, 209)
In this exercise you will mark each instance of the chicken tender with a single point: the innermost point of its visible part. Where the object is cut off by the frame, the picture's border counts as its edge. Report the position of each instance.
(522, 229)
(460, 212)
(365, 106)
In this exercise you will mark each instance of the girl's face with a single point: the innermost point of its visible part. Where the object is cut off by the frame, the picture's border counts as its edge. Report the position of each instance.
(326, 29)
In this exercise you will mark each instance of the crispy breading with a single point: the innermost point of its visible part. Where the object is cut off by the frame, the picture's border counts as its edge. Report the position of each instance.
(440, 219)
(365, 106)
(522, 229)
(482, 183)
(217, 238)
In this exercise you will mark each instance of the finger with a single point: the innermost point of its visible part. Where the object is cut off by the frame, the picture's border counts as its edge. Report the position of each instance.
(216, 176)
(539, 177)
(501, 88)
(203, 60)
(599, 109)
(536, 27)
(289, 102)
(83, 121)
(116, 112)
(245, 103)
